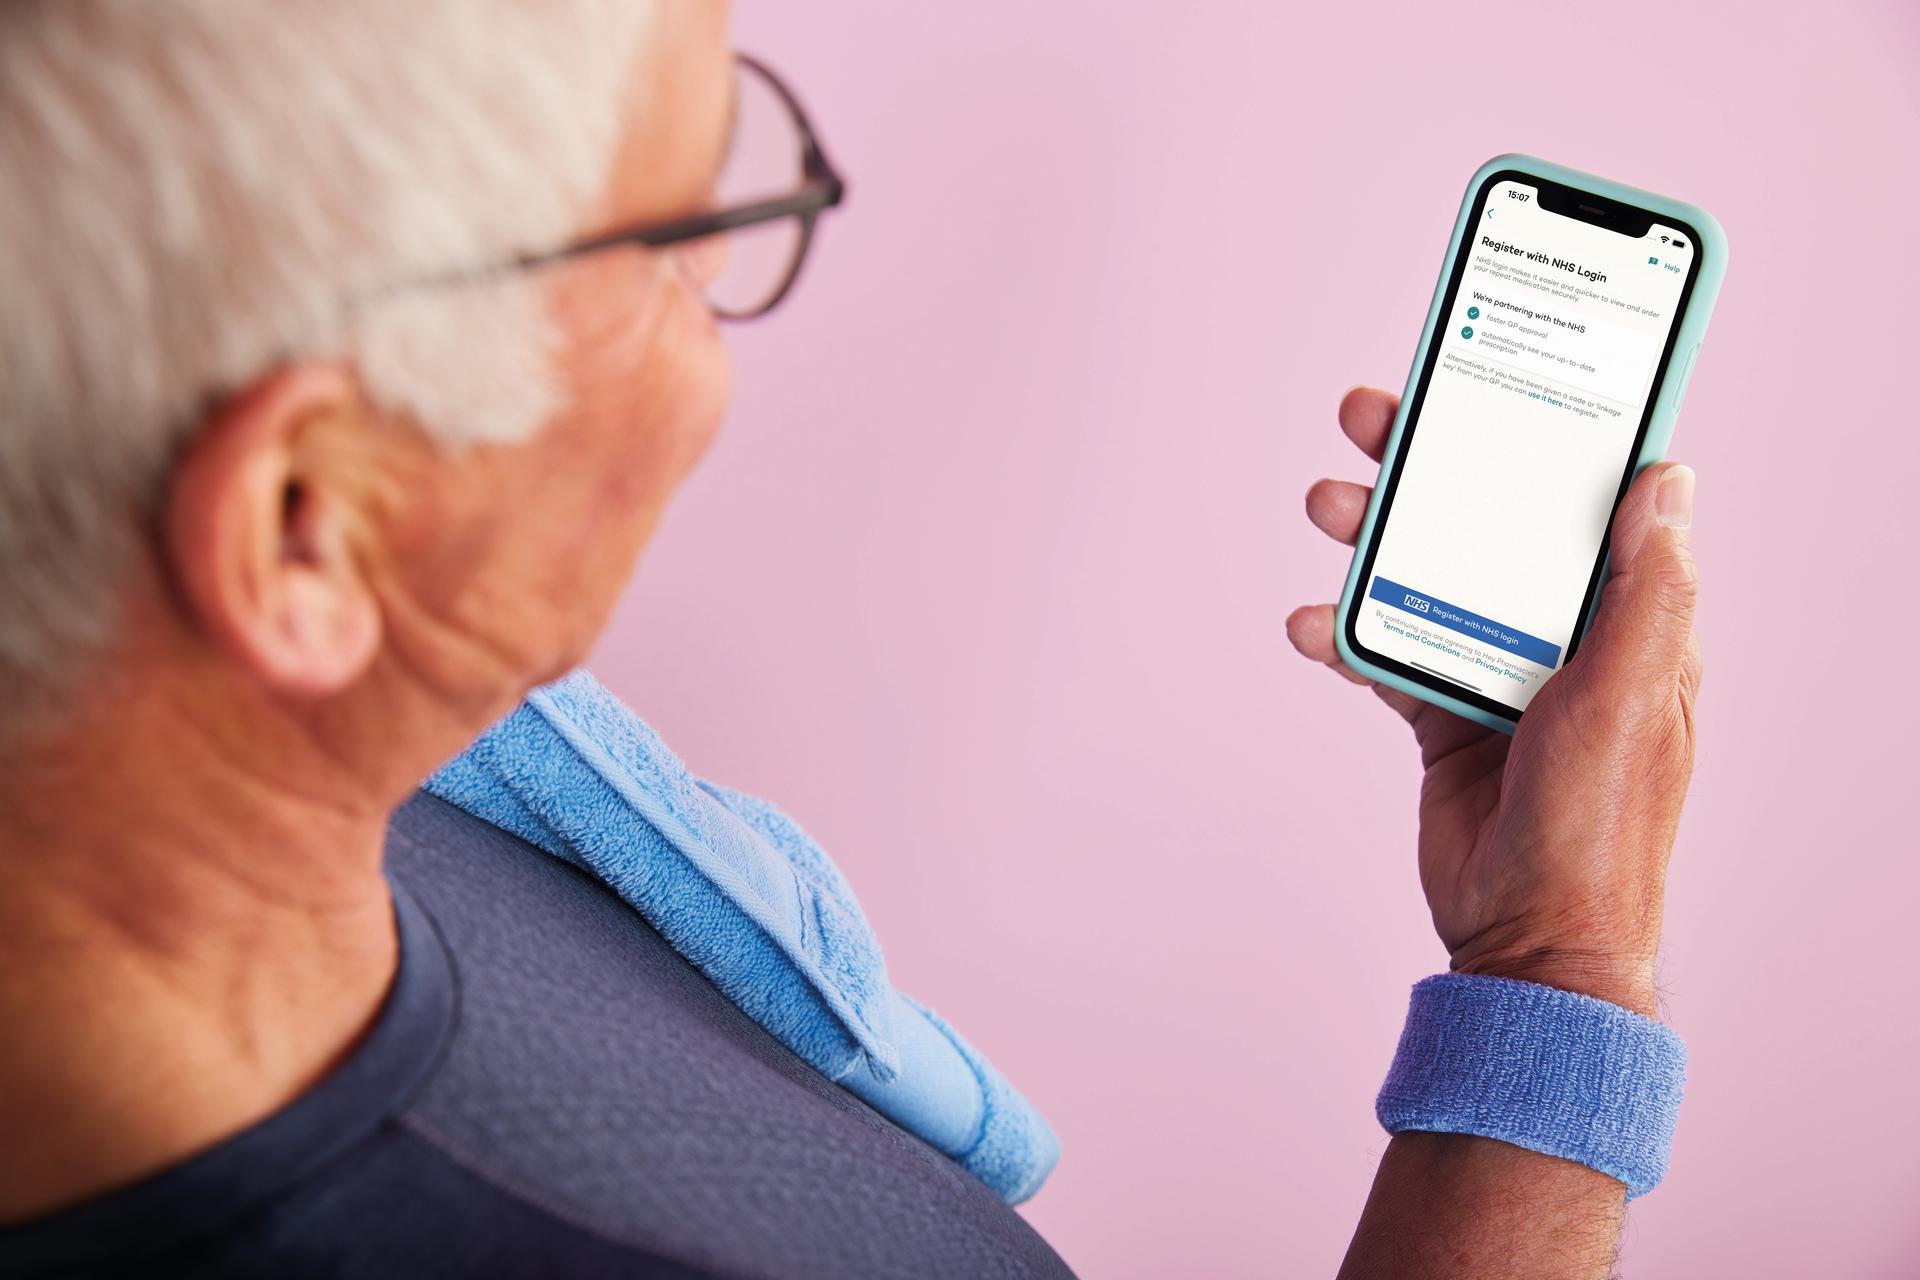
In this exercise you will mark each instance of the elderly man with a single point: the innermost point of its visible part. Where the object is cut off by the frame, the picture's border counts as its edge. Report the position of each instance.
(348, 356)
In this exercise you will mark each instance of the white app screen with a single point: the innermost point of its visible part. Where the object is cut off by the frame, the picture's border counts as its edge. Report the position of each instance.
(1545, 363)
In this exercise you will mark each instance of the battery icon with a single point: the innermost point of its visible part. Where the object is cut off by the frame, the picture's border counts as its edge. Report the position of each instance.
(1678, 243)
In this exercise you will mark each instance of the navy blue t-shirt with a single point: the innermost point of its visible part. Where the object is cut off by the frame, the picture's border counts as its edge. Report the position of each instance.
(549, 1090)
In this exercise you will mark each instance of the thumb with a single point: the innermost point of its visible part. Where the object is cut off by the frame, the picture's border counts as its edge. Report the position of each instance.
(1644, 628)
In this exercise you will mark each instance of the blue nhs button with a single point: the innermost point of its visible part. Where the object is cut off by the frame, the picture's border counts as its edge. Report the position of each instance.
(1490, 634)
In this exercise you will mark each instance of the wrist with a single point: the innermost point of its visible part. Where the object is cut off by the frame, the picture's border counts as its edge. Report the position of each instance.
(1618, 979)
(1557, 1072)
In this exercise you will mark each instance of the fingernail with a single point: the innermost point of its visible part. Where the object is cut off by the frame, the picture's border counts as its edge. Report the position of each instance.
(1673, 500)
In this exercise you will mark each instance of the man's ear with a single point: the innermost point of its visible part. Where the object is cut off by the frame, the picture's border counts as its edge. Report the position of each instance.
(262, 528)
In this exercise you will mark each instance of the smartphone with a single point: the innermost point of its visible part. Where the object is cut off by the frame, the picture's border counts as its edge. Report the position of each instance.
(1566, 322)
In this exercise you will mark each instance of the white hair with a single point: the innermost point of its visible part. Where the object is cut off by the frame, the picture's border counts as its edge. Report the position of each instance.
(196, 189)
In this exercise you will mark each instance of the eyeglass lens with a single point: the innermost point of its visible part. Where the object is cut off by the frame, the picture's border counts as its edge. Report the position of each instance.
(764, 162)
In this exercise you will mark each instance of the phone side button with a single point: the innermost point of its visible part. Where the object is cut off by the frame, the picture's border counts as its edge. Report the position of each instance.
(1686, 376)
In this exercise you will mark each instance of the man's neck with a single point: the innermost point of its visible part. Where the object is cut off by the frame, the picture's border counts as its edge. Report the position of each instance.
(190, 936)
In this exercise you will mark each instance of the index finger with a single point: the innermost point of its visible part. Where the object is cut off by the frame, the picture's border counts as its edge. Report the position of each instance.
(1366, 415)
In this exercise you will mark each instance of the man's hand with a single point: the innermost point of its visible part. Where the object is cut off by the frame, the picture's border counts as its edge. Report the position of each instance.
(1544, 855)
(1544, 858)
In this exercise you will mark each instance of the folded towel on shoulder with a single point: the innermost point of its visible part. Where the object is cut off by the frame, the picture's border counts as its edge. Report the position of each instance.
(739, 889)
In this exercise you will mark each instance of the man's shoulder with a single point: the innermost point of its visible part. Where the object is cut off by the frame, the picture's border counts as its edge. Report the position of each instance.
(596, 1070)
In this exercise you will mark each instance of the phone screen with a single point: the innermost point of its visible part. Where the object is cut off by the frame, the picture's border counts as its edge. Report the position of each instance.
(1532, 403)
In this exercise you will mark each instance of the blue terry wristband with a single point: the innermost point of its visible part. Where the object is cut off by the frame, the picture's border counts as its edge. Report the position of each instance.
(1544, 1069)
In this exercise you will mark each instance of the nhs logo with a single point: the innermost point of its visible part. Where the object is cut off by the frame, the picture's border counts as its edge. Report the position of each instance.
(1416, 604)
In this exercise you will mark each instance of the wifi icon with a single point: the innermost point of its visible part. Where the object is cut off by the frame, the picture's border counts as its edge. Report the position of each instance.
(1663, 240)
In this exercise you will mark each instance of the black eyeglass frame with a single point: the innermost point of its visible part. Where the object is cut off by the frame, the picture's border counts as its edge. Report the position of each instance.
(821, 188)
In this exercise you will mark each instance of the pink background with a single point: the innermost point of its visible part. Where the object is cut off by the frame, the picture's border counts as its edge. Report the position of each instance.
(985, 581)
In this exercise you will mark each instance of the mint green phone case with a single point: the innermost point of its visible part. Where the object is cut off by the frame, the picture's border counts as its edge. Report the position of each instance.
(1667, 396)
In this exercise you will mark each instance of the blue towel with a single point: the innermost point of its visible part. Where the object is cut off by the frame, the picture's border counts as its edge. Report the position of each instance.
(740, 891)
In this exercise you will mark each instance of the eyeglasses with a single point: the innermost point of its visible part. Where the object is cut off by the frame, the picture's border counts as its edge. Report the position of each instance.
(770, 195)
